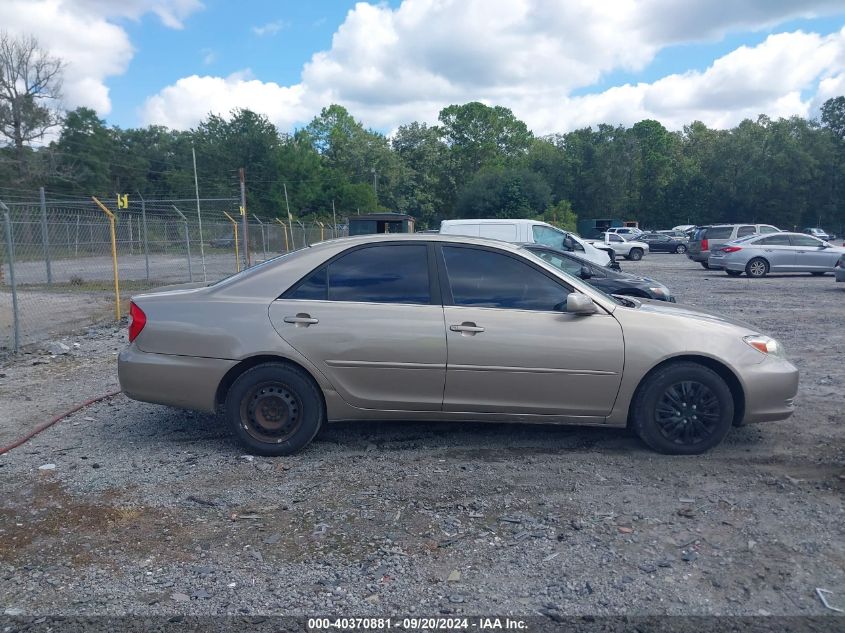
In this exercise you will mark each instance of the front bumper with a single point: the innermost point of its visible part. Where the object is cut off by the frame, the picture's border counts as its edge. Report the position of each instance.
(187, 382)
(770, 390)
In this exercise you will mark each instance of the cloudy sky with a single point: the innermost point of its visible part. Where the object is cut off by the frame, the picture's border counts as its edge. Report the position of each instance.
(558, 64)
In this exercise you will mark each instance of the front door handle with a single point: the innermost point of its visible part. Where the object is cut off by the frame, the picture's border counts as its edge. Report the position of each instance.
(301, 319)
(467, 327)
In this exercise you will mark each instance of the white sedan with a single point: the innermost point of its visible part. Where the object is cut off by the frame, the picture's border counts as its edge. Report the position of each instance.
(627, 248)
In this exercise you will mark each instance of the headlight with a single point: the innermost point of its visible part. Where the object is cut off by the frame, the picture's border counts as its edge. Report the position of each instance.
(659, 290)
(765, 344)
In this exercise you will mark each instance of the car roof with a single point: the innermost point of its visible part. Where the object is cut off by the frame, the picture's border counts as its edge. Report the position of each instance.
(375, 238)
(493, 221)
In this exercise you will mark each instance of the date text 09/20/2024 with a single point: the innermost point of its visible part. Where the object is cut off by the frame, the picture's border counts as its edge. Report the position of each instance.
(417, 623)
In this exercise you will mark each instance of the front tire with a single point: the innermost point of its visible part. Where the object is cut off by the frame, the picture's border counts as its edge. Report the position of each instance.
(757, 268)
(274, 409)
(636, 254)
(682, 409)
(681, 249)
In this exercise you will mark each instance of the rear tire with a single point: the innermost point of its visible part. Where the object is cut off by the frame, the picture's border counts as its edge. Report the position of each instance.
(682, 409)
(635, 254)
(757, 268)
(705, 265)
(274, 409)
(734, 273)
(681, 249)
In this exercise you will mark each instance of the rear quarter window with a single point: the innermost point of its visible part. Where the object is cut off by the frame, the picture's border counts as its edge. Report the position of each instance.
(717, 233)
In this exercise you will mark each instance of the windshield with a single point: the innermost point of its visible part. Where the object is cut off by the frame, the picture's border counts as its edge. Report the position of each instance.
(566, 267)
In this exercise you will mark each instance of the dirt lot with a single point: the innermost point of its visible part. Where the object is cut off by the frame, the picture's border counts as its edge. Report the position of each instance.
(149, 510)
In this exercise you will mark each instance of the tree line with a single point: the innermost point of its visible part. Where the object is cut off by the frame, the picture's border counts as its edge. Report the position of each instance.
(476, 161)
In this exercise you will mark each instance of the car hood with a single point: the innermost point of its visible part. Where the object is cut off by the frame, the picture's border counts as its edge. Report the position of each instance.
(690, 312)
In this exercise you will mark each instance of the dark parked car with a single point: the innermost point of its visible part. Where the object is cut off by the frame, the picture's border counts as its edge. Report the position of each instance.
(662, 243)
(601, 277)
(223, 242)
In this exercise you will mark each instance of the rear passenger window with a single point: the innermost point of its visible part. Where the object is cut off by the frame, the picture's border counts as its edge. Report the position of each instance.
(377, 274)
(746, 230)
(766, 228)
(486, 279)
(774, 240)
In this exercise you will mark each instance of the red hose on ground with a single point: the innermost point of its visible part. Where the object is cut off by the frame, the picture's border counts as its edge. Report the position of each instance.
(47, 425)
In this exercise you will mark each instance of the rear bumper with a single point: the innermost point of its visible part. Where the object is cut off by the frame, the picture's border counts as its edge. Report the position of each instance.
(702, 256)
(187, 382)
(770, 390)
(840, 274)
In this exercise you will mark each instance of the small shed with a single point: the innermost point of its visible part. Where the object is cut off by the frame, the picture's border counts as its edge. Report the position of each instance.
(593, 227)
(371, 223)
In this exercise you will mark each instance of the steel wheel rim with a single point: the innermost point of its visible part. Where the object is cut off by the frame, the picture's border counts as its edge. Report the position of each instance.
(687, 413)
(271, 412)
(757, 268)
(682, 249)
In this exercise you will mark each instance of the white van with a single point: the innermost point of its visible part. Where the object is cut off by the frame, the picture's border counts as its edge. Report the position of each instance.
(527, 232)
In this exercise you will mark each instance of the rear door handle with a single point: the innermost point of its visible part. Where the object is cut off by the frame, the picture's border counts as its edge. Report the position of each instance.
(301, 319)
(467, 326)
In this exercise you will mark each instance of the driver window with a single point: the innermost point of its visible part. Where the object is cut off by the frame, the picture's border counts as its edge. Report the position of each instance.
(487, 279)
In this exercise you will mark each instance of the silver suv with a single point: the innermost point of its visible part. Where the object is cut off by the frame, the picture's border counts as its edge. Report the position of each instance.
(712, 237)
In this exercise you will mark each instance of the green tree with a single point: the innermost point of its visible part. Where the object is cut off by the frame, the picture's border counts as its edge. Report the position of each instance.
(504, 193)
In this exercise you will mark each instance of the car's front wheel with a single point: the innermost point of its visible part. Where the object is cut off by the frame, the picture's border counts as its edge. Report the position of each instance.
(683, 409)
(636, 254)
(274, 409)
(680, 248)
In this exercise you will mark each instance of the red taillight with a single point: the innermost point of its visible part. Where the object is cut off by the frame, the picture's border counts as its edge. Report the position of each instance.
(731, 249)
(704, 245)
(137, 321)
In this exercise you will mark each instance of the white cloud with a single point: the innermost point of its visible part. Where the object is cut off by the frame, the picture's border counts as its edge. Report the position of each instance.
(79, 32)
(192, 98)
(271, 28)
(391, 66)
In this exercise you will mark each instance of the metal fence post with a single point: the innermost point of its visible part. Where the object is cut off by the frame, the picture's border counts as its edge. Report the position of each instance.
(187, 242)
(146, 249)
(45, 237)
(10, 249)
(263, 236)
(237, 256)
(112, 229)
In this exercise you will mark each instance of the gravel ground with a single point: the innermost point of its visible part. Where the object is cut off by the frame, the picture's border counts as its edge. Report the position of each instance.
(150, 510)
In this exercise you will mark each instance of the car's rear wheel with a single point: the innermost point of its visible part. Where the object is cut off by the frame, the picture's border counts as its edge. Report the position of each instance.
(680, 248)
(683, 409)
(705, 265)
(274, 409)
(757, 267)
(636, 254)
(734, 273)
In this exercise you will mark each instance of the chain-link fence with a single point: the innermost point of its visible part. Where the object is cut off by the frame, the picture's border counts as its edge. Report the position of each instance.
(60, 272)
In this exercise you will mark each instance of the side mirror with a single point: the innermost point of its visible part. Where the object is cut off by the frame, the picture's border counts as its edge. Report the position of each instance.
(579, 304)
(585, 273)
